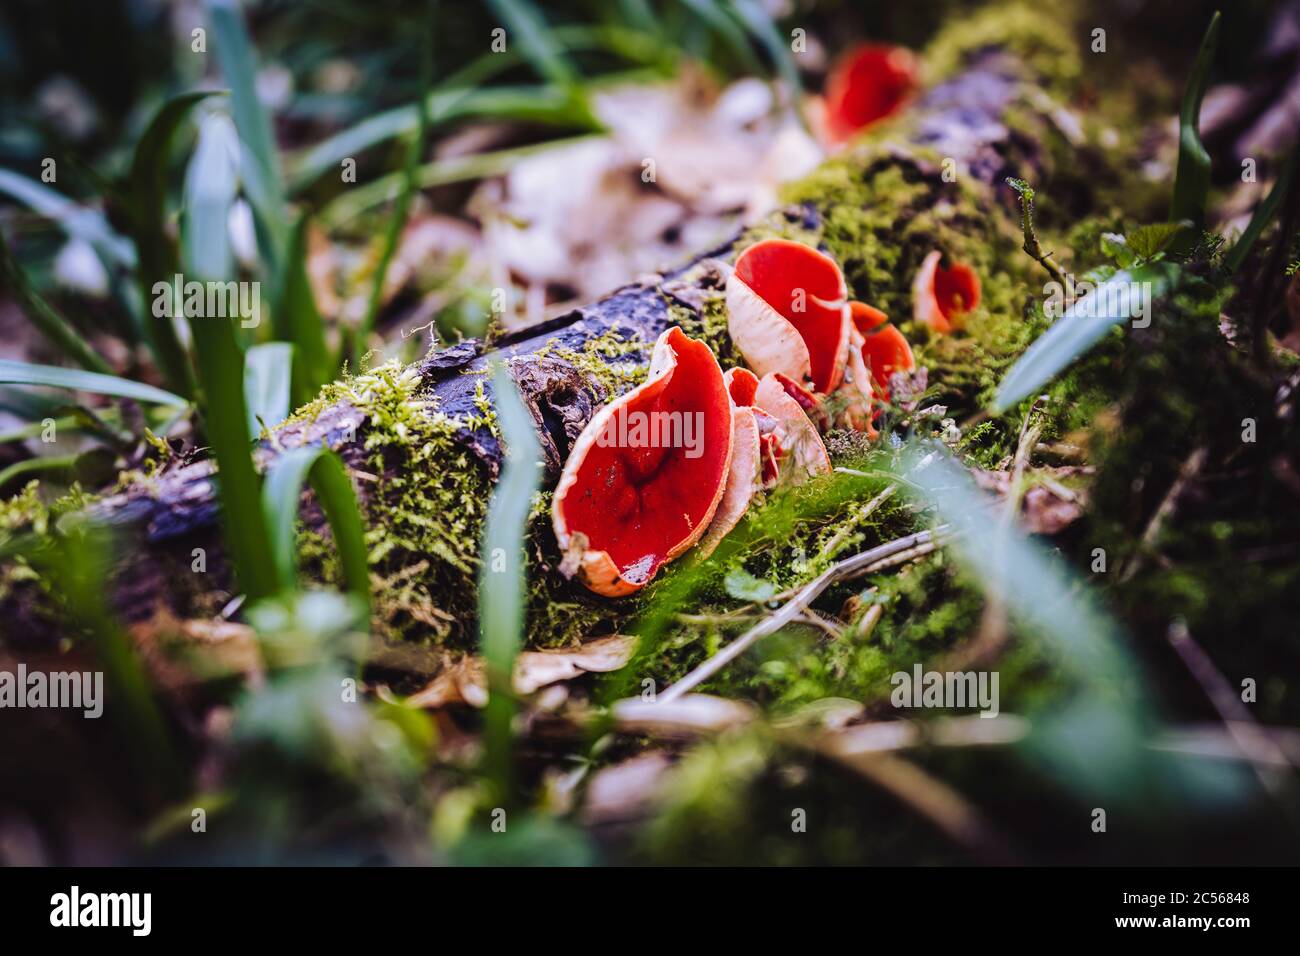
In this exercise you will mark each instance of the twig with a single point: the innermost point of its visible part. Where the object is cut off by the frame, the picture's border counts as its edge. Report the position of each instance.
(932, 798)
(857, 564)
(867, 510)
(1031, 246)
(1260, 749)
(992, 635)
(1190, 469)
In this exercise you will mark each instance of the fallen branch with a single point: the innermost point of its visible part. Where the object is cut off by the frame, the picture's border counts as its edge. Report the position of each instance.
(866, 562)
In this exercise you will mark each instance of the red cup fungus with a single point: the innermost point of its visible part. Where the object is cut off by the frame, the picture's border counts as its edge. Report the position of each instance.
(941, 298)
(645, 476)
(867, 84)
(787, 312)
(883, 348)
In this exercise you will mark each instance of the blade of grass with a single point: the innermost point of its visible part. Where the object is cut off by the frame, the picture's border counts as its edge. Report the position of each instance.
(77, 221)
(299, 321)
(37, 466)
(147, 189)
(1096, 741)
(526, 26)
(280, 503)
(1114, 301)
(75, 561)
(23, 373)
(260, 164)
(47, 321)
(1192, 180)
(348, 205)
(1263, 215)
(397, 219)
(541, 105)
(502, 575)
(729, 30)
(760, 24)
(210, 189)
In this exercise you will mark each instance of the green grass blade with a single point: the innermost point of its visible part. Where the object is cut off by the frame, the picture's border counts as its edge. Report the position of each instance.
(75, 561)
(266, 384)
(24, 373)
(1083, 324)
(1263, 215)
(1192, 180)
(210, 189)
(260, 166)
(280, 503)
(1055, 610)
(147, 189)
(526, 26)
(76, 220)
(541, 105)
(728, 30)
(47, 320)
(37, 466)
(760, 24)
(455, 169)
(401, 209)
(503, 576)
(299, 321)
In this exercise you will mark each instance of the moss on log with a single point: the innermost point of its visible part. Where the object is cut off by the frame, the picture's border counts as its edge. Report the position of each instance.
(421, 441)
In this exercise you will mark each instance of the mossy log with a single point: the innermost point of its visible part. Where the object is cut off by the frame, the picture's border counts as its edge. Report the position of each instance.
(421, 440)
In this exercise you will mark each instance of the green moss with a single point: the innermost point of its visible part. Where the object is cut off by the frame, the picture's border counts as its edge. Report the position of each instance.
(611, 359)
(1038, 36)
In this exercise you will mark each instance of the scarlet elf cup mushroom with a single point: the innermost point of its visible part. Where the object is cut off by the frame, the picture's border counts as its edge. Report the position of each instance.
(644, 478)
(867, 84)
(788, 312)
(772, 439)
(883, 348)
(941, 297)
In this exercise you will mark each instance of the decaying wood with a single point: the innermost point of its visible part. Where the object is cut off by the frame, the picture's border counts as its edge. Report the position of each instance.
(963, 119)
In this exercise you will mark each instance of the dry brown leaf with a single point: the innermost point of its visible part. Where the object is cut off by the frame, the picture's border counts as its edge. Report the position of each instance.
(625, 792)
(1047, 507)
(685, 716)
(465, 682)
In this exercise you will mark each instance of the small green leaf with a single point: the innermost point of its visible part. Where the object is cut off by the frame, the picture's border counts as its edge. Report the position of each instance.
(1148, 241)
(267, 369)
(716, 17)
(759, 23)
(743, 586)
(1115, 246)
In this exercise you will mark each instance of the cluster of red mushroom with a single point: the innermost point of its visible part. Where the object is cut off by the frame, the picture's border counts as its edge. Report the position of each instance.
(703, 443)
